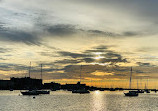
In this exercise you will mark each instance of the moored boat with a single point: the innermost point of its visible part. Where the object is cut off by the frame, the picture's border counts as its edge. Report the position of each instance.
(43, 92)
(140, 91)
(33, 92)
(131, 93)
(81, 91)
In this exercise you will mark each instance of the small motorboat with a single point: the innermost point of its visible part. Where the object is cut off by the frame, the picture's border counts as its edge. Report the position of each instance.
(147, 91)
(10, 89)
(112, 89)
(140, 91)
(81, 91)
(131, 93)
(42, 92)
(33, 92)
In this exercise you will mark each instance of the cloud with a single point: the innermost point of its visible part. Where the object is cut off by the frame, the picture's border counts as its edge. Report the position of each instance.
(19, 36)
(73, 55)
(4, 50)
(9, 67)
(145, 64)
(2, 59)
(103, 33)
(104, 60)
(61, 29)
(129, 34)
(48, 54)
(88, 56)
(67, 61)
(90, 71)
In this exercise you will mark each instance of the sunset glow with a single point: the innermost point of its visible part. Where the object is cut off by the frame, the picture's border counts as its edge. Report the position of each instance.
(107, 38)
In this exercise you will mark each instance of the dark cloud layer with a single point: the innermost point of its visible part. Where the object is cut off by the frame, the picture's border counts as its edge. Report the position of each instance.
(87, 56)
(15, 67)
(61, 29)
(68, 61)
(73, 55)
(145, 64)
(19, 36)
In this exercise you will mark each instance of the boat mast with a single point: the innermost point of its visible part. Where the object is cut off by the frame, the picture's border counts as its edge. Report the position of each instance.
(147, 83)
(137, 85)
(80, 74)
(30, 70)
(130, 79)
(41, 71)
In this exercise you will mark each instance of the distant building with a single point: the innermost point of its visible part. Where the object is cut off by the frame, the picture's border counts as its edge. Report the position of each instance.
(26, 83)
(6, 84)
(51, 85)
(73, 86)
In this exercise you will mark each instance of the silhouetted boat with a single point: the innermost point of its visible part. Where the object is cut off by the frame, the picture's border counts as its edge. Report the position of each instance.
(112, 89)
(131, 93)
(10, 89)
(154, 90)
(147, 91)
(42, 92)
(53, 89)
(101, 89)
(91, 89)
(33, 92)
(81, 91)
(140, 91)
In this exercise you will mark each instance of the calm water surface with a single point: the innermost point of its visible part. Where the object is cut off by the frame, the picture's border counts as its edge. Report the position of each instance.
(66, 101)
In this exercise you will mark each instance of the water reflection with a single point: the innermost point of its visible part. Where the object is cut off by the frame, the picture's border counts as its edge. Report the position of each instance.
(98, 103)
(66, 101)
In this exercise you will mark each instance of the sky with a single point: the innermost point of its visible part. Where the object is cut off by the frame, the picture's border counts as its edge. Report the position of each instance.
(99, 39)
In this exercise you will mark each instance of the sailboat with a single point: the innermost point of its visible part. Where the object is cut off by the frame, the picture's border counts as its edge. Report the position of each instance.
(139, 90)
(42, 91)
(146, 89)
(81, 90)
(35, 92)
(131, 93)
(30, 92)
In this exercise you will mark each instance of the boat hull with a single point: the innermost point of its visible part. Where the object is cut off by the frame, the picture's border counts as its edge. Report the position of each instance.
(80, 91)
(29, 93)
(131, 93)
(35, 92)
(43, 92)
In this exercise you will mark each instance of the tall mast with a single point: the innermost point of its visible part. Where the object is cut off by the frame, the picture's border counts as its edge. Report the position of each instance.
(137, 85)
(147, 83)
(41, 71)
(80, 73)
(30, 70)
(130, 79)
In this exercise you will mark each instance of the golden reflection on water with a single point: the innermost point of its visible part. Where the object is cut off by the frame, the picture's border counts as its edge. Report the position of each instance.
(98, 101)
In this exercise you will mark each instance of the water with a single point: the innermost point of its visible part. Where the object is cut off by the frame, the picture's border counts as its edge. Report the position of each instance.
(66, 101)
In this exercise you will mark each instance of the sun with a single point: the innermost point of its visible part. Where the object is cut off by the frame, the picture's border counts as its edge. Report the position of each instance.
(98, 57)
